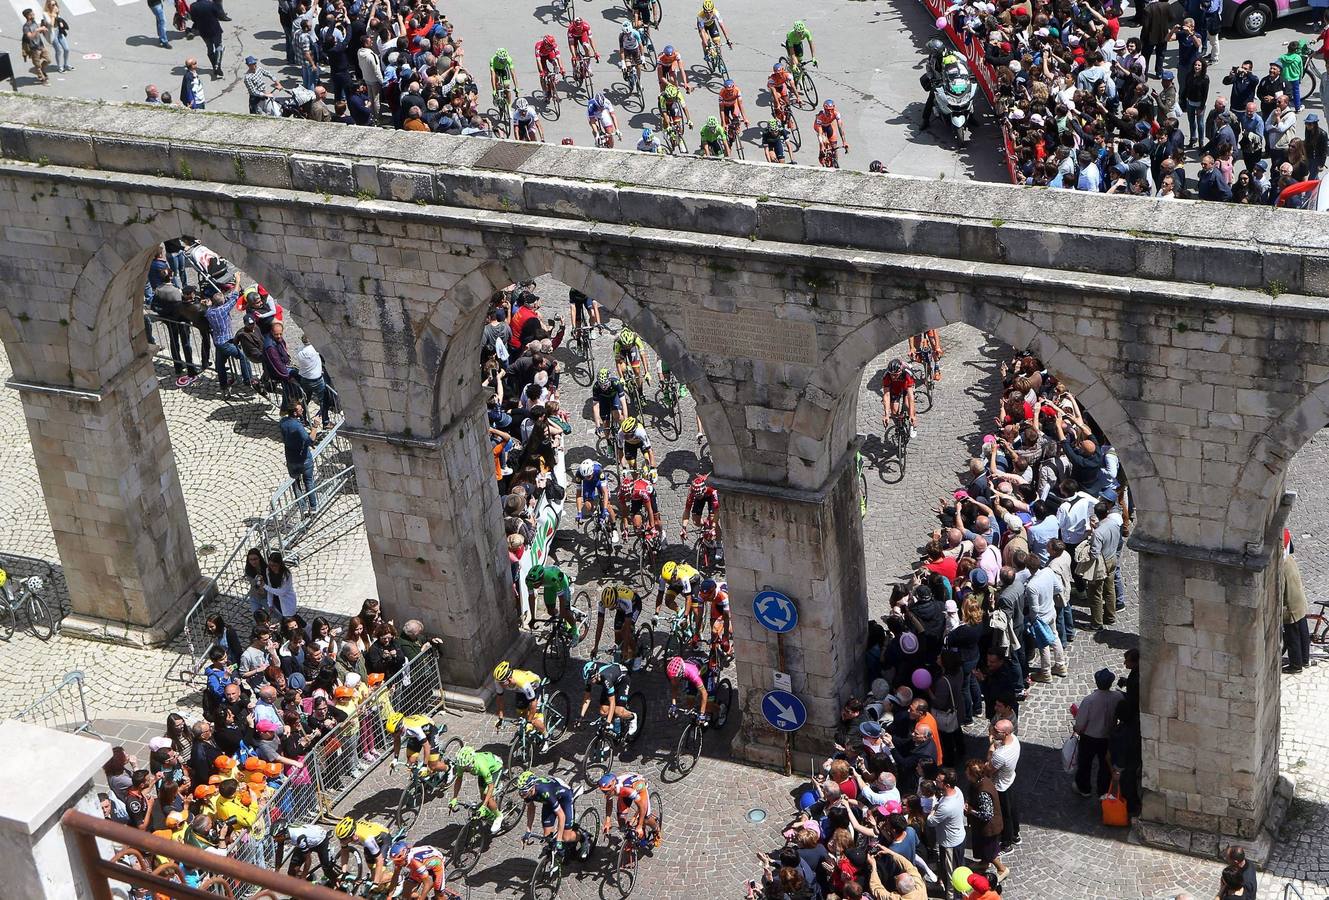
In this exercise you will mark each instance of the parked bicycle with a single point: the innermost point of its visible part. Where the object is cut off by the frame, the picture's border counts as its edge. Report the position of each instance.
(32, 597)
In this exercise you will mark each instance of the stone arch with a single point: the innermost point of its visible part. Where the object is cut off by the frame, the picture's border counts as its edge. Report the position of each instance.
(108, 294)
(465, 316)
(821, 406)
(1261, 475)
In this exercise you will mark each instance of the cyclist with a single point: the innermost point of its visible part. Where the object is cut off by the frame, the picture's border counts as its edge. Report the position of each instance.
(731, 104)
(626, 604)
(633, 806)
(611, 400)
(641, 15)
(503, 75)
(675, 579)
(897, 390)
(630, 351)
(307, 842)
(631, 438)
(783, 90)
(581, 43)
(525, 123)
(716, 595)
(688, 674)
(637, 508)
(487, 769)
(600, 114)
(793, 44)
(424, 870)
(421, 741)
(773, 140)
(714, 141)
(593, 494)
(710, 26)
(528, 689)
(585, 311)
(557, 592)
(673, 108)
(669, 69)
(826, 124)
(556, 799)
(649, 143)
(702, 503)
(629, 47)
(547, 58)
(926, 348)
(614, 690)
(372, 839)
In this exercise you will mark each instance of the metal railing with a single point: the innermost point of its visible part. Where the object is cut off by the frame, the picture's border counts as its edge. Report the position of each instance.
(164, 867)
(63, 707)
(332, 455)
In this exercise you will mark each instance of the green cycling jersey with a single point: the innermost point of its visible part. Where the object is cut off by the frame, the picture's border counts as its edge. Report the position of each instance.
(486, 765)
(711, 133)
(501, 66)
(796, 37)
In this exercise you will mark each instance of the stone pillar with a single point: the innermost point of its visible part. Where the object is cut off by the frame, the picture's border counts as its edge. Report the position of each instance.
(436, 536)
(45, 773)
(1209, 646)
(809, 546)
(109, 480)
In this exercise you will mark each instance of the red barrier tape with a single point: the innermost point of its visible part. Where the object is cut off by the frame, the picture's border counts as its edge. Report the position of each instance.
(978, 64)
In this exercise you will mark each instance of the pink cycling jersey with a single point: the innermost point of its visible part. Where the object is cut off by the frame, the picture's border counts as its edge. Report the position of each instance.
(691, 673)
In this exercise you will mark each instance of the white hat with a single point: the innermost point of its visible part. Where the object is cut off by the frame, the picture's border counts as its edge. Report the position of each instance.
(352, 679)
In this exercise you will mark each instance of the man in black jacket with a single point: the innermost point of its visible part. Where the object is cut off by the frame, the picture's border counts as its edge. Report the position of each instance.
(1243, 81)
(207, 19)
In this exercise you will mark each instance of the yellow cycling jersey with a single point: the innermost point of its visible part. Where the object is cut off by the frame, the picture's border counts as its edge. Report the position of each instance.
(527, 683)
(365, 831)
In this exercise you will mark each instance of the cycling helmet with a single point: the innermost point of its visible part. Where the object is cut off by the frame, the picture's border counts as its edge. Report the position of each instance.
(629, 425)
(522, 104)
(674, 668)
(729, 82)
(344, 828)
(589, 671)
(772, 127)
(466, 757)
(646, 135)
(549, 39)
(712, 122)
(586, 469)
(627, 335)
(607, 782)
(535, 575)
(894, 367)
(393, 723)
(602, 376)
(829, 104)
(609, 596)
(504, 54)
(708, 6)
(627, 27)
(600, 98)
(525, 781)
(669, 50)
(801, 27)
(399, 851)
(935, 46)
(503, 671)
(669, 570)
(700, 480)
(671, 91)
(579, 21)
(709, 586)
(876, 166)
(778, 67)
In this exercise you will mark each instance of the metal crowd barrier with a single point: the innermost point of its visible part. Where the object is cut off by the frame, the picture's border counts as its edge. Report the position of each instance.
(63, 707)
(338, 762)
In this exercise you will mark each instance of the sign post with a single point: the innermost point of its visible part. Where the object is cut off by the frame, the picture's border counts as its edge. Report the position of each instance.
(777, 613)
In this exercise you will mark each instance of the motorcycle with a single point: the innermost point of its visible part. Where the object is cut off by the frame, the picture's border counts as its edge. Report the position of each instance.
(953, 95)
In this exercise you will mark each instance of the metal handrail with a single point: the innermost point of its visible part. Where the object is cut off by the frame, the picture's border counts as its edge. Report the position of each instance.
(101, 872)
(84, 723)
(276, 501)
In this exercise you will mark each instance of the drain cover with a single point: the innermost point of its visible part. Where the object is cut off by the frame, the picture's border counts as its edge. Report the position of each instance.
(756, 814)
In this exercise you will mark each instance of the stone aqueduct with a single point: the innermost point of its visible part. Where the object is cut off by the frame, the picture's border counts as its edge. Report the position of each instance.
(1196, 336)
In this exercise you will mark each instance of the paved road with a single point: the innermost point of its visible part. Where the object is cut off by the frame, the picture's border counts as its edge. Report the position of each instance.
(869, 50)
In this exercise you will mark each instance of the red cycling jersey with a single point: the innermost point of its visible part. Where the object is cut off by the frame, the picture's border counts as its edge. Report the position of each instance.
(825, 119)
(580, 30)
(730, 96)
(897, 386)
(638, 491)
(704, 493)
(546, 50)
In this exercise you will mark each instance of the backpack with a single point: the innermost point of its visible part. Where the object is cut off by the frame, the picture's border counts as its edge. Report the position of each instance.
(1252, 142)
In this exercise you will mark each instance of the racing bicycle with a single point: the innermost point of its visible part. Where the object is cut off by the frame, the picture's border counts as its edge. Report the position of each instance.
(688, 749)
(611, 740)
(557, 713)
(675, 140)
(734, 135)
(32, 597)
(715, 59)
(549, 87)
(419, 787)
(807, 88)
(630, 848)
(503, 110)
(559, 638)
(548, 874)
(475, 834)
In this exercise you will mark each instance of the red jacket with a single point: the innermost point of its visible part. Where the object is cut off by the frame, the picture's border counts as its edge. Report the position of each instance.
(523, 315)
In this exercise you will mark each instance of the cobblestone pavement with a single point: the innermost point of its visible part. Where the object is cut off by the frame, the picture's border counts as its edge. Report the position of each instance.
(711, 842)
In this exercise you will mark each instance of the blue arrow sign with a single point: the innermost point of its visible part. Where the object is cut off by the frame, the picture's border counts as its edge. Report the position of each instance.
(783, 710)
(775, 611)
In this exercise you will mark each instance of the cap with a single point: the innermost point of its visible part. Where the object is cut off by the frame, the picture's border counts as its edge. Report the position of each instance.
(1263, 165)
(251, 60)
(890, 808)
(908, 642)
(1104, 678)
(1312, 118)
(272, 770)
(870, 729)
(1109, 495)
(158, 743)
(979, 883)
(1168, 75)
(267, 727)
(978, 578)
(1272, 62)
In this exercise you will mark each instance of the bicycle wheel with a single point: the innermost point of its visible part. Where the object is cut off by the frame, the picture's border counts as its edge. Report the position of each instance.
(724, 699)
(557, 713)
(657, 13)
(588, 823)
(41, 621)
(509, 802)
(923, 399)
(555, 656)
(520, 751)
(807, 90)
(625, 873)
(581, 609)
(736, 146)
(688, 749)
(645, 638)
(7, 620)
(470, 844)
(355, 870)
(657, 807)
(599, 759)
(546, 878)
(637, 705)
(700, 553)
(676, 643)
(408, 805)
(795, 136)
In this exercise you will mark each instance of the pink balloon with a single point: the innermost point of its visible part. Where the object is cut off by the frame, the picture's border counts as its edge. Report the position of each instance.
(941, 22)
(922, 679)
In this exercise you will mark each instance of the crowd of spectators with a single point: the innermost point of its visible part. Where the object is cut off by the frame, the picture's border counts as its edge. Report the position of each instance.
(1084, 111)
(1035, 528)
